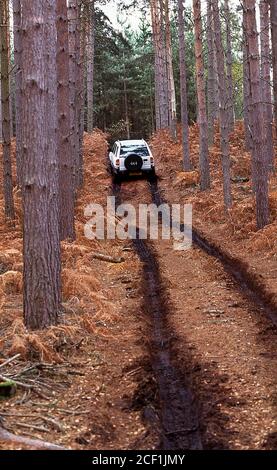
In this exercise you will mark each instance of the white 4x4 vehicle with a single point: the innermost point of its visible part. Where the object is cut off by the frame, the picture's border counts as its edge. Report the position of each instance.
(131, 157)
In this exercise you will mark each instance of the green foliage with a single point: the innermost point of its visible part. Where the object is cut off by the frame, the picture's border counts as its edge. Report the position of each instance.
(117, 131)
(7, 389)
(120, 58)
(129, 57)
(238, 89)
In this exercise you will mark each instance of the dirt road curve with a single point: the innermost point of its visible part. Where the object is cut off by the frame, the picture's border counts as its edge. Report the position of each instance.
(212, 350)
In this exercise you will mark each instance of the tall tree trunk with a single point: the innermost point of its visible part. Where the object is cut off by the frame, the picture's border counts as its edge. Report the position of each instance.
(170, 75)
(5, 99)
(201, 96)
(80, 90)
(125, 95)
(18, 85)
(273, 17)
(73, 84)
(0, 107)
(83, 84)
(151, 103)
(40, 176)
(12, 99)
(246, 93)
(164, 99)
(212, 75)
(224, 108)
(229, 66)
(266, 81)
(259, 157)
(90, 64)
(157, 12)
(66, 183)
(183, 87)
(156, 64)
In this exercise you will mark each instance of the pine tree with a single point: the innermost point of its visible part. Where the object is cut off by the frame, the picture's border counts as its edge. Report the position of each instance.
(170, 75)
(40, 175)
(17, 31)
(161, 82)
(73, 86)
(266, 80)
(224, 108)
(202, 112)
(183, 87)
(212, 75)
(273, 17)
(66, 183)
(229, 66)
(259, 157)
(5, 101)
(90, 64)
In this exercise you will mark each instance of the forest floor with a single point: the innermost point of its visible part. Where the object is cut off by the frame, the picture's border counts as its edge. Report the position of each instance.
(96, 382)
(90, 372)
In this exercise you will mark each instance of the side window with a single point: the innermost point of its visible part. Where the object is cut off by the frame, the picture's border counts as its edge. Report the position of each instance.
(114, 149)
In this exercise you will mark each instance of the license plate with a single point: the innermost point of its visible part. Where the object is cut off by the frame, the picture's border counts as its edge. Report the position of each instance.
(135, 173)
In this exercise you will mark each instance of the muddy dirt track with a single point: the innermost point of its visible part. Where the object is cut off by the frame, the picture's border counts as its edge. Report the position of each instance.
(212, 344)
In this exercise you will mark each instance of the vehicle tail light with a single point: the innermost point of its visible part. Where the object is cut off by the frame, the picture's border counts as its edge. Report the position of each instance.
(117, 162)
(152, 159)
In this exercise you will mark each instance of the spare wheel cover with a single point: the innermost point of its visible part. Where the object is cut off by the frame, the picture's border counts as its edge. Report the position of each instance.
(133, 162)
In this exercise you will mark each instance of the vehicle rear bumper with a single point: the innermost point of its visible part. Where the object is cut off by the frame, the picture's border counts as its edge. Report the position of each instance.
(135, 172)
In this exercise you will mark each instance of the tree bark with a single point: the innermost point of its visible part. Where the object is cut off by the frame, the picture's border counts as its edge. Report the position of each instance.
(66, 183)
(259, 158)
(73, 84)
(266, 81)
(165, 100)
(125, 99)
(161, 87)
(229, 66)
(5, 99)
(79, 92)
(18, 85)
(273, 17)
(0, 107)
(40, 177)
(224, 109)
(246, 94)
(83, 79)
(212, 75)
(183, 87)
(156, 65)
(90, 65)
(201, 96)
(170, 75)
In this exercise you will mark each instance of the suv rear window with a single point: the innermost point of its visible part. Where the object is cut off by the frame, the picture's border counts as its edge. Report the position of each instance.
(141, 150)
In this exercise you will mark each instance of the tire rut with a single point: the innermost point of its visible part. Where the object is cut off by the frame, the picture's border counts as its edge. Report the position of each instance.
(248, 284)
(178, 408)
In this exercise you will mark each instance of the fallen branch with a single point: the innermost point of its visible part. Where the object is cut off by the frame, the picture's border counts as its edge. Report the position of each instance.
(20, 384)
(107, 258)
(8, 361)
(35, 443)
(56, 425)
(13, 415)
(34, 427)
(73, 413)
